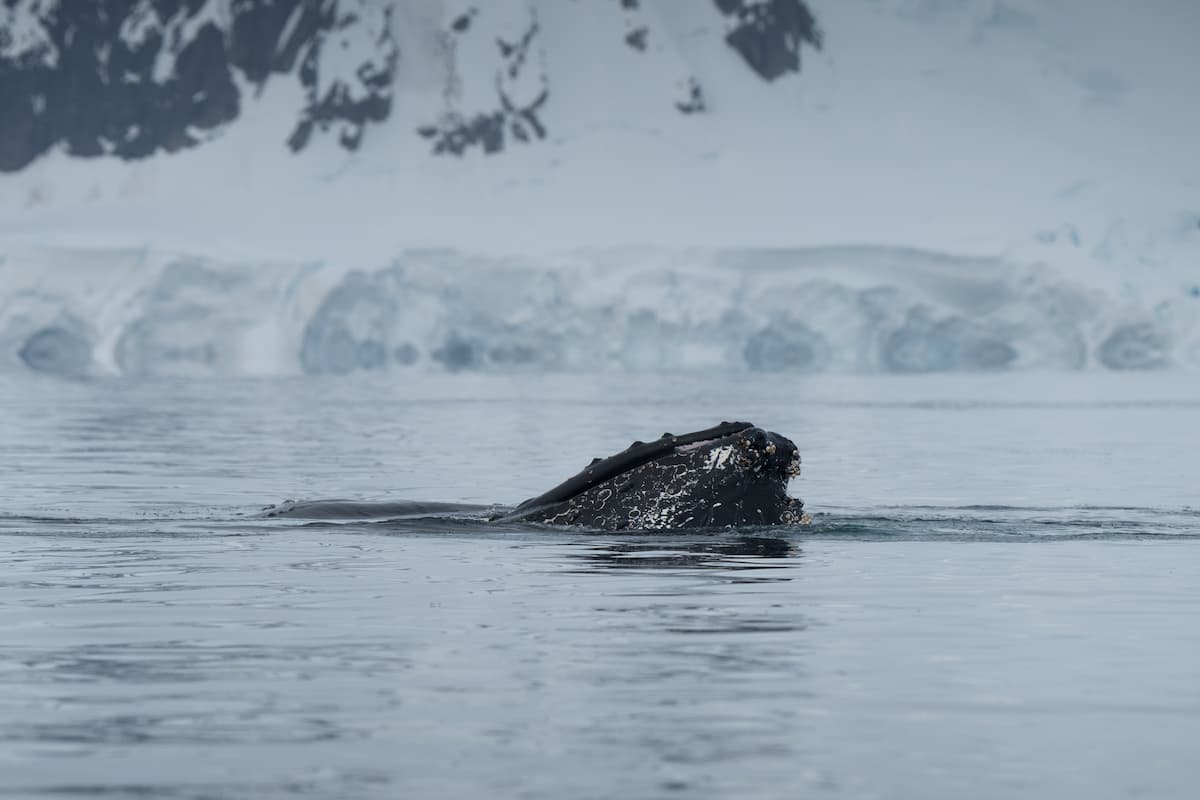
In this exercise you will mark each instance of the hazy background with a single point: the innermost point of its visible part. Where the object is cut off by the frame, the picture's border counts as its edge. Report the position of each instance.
(216, 188)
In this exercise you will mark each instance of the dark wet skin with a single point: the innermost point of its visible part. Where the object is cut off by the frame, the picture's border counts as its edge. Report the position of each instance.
(731, 475)
(734, 474)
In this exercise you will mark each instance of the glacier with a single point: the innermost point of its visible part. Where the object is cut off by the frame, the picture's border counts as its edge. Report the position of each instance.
(853, 309)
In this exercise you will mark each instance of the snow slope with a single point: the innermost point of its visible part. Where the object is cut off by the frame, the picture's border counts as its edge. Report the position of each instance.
(1048, 143)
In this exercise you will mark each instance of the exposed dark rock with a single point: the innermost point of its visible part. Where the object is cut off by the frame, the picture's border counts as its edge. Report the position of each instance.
(130, 78)
(455, 133)
(769, 33)
(85, 75)
(291, 26)
(463, 23)
(367, 98)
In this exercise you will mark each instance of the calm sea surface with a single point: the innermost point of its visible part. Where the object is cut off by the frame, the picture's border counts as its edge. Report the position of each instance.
(999, 596)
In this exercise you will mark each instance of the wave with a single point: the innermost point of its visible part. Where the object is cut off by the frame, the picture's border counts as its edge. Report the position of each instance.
(417, 518)
(839, 309)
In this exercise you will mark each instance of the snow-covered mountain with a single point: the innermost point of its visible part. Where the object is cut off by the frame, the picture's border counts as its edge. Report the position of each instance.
(249, 186)
(133, 78)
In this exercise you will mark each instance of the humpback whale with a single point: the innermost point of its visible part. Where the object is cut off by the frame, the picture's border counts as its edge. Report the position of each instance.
(732, 474)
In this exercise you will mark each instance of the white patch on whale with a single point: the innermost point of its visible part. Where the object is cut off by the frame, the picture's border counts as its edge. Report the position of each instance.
(718, 457)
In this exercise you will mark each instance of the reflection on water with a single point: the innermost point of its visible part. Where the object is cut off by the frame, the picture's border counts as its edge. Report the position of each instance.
(358, 662)
(714, 552)
(725, 559)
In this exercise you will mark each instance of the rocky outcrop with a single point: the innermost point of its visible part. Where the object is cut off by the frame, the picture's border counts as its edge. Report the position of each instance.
(347, 98)
(769, 33)
(522, 89)
(130, 78)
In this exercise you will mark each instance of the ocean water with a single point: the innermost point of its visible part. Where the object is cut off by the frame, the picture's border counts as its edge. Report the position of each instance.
(999, 595)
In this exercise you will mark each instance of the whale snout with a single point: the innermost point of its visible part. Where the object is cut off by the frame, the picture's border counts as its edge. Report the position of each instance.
(731, 474)
(771, 452)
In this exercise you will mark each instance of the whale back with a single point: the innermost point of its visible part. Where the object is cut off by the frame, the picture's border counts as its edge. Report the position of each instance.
(632, 457)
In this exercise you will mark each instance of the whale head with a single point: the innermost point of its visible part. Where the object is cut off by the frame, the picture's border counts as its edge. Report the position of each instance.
(733, 474)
